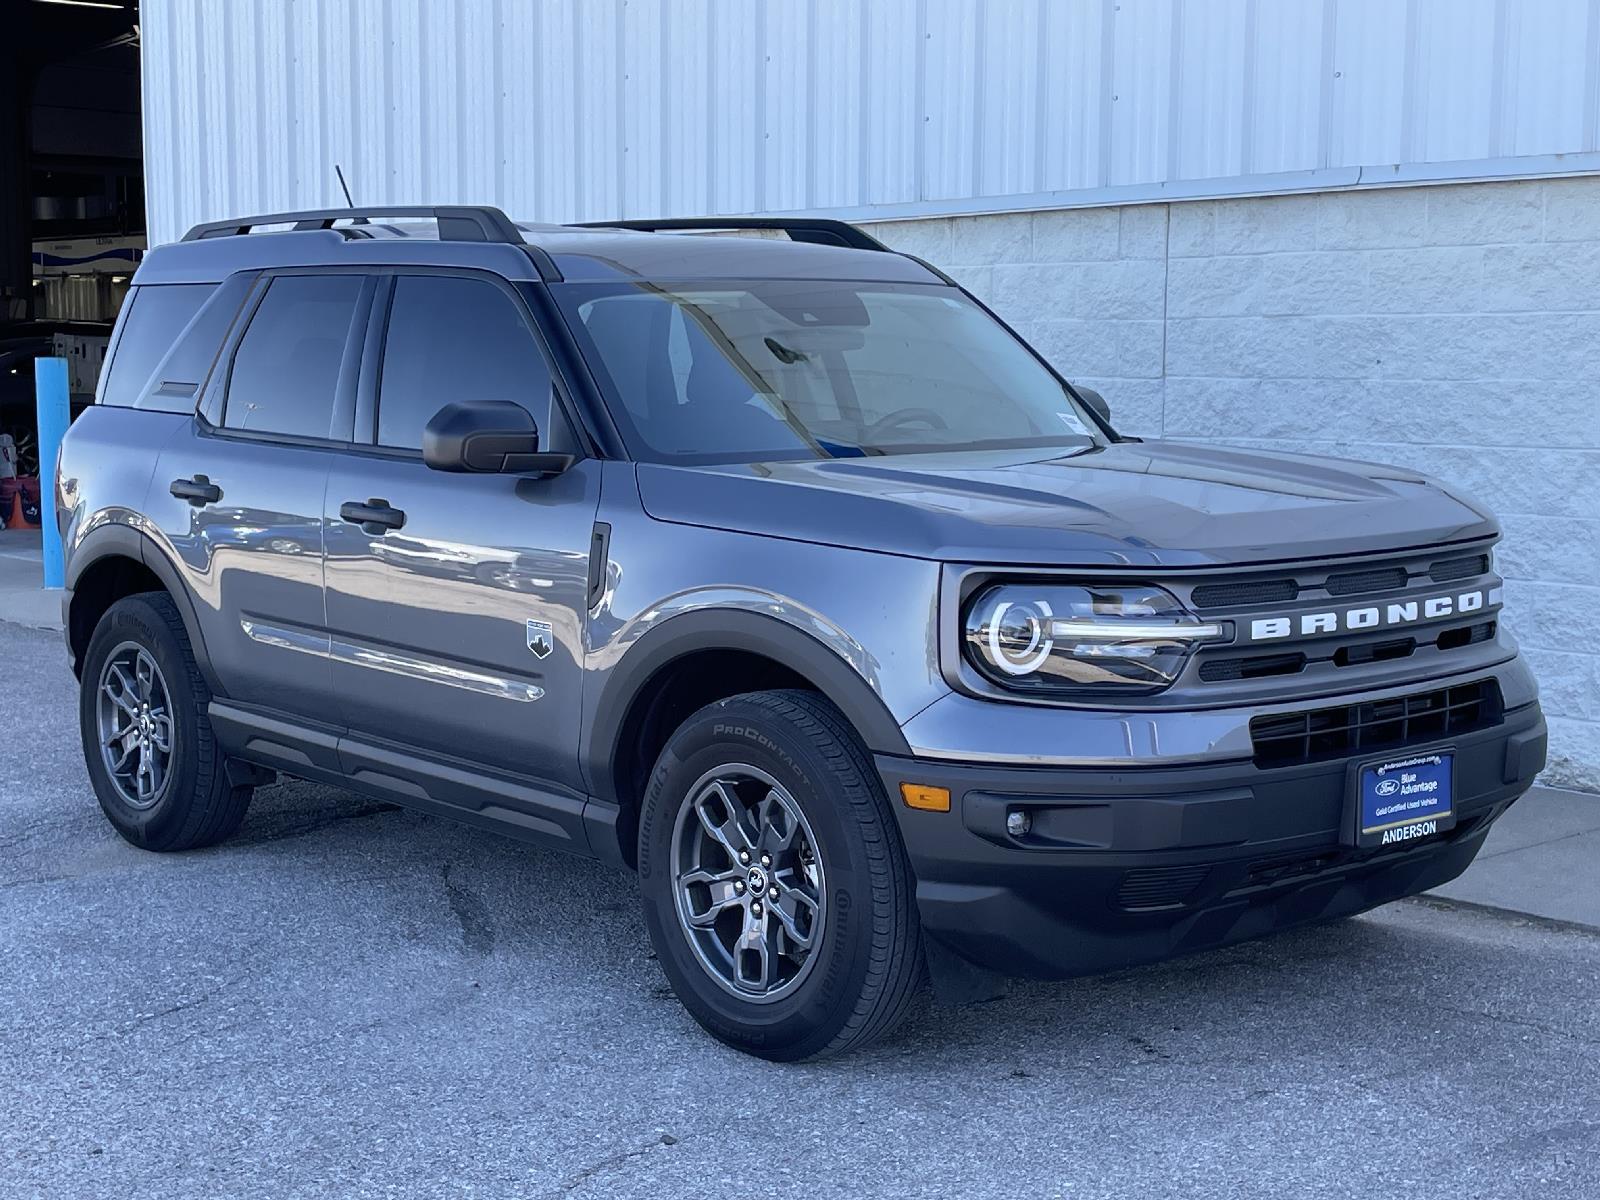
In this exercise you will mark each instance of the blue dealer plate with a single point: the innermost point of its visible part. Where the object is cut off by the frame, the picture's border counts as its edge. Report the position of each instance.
(1406, 798)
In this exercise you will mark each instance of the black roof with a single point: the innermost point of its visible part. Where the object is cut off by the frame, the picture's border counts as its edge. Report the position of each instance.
(483, 238)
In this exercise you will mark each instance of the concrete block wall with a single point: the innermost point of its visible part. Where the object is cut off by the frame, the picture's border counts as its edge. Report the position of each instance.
(1454, 330)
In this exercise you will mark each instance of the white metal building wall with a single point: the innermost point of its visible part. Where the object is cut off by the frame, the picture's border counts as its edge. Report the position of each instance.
(587, 109)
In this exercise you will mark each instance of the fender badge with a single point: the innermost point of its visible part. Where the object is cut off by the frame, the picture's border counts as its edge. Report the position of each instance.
(541, 638)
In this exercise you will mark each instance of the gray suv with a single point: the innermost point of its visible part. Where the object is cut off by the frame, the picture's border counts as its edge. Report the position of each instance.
(779, 569)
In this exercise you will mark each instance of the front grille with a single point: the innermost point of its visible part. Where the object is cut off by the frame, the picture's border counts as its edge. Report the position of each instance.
(1354, 583)
(1287, 739)
(1159, 887)
(1371, 652)
(1359, 654)
(1363, 581)
(1259, 591)
(1465, 567)
(1259, 666)
(1466, 635)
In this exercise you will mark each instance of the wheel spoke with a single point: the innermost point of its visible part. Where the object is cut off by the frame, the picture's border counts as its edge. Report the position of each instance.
(144, 673)
(729, 830)
(161, 735)
(142, 772)
(724, 895)
(796, 914)
(777, 824)
(752, 956)
(123, 696)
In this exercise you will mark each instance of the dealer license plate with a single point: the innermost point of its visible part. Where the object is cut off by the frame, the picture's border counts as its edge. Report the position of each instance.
(1405, 799)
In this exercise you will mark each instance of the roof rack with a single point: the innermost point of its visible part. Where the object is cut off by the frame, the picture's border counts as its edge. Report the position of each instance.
(457, 223)
(821, 231)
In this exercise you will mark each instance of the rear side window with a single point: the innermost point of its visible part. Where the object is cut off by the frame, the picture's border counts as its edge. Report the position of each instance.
(285, 373)
(156, 315)
(453, 338)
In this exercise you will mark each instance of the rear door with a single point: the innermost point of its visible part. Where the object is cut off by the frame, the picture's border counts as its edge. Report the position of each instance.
(457, 629)
(238, 492)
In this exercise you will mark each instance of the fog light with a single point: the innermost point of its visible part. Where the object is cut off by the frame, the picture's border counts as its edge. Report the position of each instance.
(1018, 822)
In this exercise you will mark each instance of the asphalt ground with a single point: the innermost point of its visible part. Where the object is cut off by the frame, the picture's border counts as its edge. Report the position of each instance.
(353, 1000)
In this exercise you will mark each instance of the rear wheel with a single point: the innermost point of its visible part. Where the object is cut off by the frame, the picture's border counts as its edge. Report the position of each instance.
(147, 738)
(776, 890)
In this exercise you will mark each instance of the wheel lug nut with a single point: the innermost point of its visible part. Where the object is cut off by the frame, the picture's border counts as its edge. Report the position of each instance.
(756, 908)
(773, 892)
(766, 860)
(744, 856)
(738, 886)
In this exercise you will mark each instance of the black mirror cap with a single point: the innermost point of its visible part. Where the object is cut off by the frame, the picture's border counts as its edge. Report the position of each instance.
(1095, 401)
(487, 437)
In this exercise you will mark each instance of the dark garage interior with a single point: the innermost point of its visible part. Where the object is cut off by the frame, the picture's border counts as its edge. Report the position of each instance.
(72, 224)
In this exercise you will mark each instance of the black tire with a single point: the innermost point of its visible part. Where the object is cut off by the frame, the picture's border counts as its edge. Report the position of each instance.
(869, 958)
(195, 805)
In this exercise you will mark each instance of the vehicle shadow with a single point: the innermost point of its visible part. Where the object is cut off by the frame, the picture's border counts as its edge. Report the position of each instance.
(509, 911)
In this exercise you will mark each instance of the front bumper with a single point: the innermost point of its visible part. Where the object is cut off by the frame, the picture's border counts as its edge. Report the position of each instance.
(1131, 865)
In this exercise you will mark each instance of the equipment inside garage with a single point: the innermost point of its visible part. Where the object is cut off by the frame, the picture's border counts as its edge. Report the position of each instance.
(72, 224)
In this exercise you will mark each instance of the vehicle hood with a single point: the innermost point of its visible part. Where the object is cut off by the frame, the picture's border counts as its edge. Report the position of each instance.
(1169, 504)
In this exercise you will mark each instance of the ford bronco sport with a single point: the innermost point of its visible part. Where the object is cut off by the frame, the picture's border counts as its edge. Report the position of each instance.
(780, 570)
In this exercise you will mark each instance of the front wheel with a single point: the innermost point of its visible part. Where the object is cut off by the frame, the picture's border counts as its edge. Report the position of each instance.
(776, 889)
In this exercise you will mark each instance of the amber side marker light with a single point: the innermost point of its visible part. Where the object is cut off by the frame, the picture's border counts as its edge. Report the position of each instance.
(929, 799)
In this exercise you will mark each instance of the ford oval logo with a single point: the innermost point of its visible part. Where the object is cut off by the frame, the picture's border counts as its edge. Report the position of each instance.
(1387, 787)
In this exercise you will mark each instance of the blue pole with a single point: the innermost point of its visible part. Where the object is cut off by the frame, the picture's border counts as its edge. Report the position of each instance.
(50, 392)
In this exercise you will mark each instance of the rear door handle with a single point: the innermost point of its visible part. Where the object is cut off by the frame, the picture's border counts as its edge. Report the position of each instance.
(199, 491)
(375, 516)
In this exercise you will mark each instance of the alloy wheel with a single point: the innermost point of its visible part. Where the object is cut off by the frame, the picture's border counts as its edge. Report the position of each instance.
(748, 883)
(134, 716)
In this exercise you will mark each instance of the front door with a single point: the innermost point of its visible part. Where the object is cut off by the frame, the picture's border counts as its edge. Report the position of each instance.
(456, 607)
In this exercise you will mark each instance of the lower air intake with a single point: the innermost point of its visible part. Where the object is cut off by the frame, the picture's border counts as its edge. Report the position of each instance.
(1159, 887)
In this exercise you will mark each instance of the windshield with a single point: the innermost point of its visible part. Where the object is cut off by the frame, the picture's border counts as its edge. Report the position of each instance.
(792, 369)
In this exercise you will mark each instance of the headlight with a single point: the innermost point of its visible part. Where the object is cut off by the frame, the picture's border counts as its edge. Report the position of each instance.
(1095, 638)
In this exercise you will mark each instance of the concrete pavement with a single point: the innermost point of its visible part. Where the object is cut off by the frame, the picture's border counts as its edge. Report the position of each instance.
(1541, 859)
(23, 601)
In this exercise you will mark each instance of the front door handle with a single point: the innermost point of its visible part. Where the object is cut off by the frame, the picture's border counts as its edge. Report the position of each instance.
(199, 491)
(375, 516)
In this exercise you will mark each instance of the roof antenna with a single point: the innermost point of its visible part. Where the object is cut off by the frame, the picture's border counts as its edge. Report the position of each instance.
(339, 171)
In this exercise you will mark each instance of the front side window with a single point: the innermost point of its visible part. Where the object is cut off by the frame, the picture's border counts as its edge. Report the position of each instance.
(788, 369)
(455, 338)
(285, 374)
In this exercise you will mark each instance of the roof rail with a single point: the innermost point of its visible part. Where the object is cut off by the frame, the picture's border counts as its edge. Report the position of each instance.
(821, 231)
(457, 223)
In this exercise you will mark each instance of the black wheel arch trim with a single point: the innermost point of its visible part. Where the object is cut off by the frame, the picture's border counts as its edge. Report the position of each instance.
(114, 540)
(731, 629)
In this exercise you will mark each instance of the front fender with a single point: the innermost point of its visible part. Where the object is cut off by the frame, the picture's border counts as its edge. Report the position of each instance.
(791, 636)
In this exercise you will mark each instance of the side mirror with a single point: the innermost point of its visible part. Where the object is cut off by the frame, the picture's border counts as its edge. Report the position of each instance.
(1095, 401)
(487, 436)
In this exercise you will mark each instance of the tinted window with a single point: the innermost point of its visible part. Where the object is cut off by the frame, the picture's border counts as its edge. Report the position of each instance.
(176, 381)
(785, 369)
(455, 339)
(155, 316)
(286, 370)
